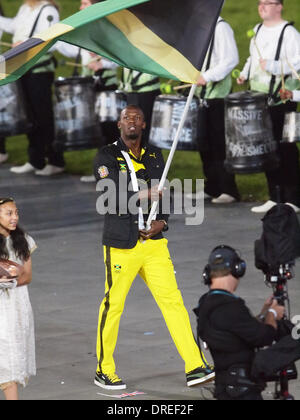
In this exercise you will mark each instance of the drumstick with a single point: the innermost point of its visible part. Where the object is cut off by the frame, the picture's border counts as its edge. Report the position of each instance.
(71, 63)
(282, 80)
(294, 71)
(188, 85)
(6, 44)
(183, 86)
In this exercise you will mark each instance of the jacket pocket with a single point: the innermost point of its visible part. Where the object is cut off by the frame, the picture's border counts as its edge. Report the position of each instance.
(117, 227)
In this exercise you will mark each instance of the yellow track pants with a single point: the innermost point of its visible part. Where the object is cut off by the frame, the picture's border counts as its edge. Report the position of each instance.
(152, 261)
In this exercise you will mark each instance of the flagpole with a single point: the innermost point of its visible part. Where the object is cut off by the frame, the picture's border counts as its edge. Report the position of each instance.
(171, 155)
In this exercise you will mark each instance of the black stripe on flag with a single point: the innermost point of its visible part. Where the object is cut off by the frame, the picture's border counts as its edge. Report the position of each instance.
(186, 25)
(20, 49)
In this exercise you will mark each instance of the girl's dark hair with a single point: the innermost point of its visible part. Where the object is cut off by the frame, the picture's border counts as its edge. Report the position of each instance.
(19, 242)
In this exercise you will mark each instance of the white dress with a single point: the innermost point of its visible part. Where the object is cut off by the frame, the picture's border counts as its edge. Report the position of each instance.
(17, 343)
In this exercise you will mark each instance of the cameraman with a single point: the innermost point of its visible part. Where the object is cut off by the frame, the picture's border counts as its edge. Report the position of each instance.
(230, 331)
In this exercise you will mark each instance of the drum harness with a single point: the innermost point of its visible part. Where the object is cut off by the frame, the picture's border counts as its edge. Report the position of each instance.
(273, 98)
(52, 59)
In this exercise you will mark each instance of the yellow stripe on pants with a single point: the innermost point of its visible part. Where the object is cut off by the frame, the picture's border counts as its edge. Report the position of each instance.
(150, 259)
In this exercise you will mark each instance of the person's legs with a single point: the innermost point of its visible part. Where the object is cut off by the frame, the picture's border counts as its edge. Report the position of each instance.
(2, 146)
(3, 154)
(122, 266)
(287, 176)
(212, 149)
(38, 93)
(110, 130)
(224, 181)
(158, 274)
(10, 391)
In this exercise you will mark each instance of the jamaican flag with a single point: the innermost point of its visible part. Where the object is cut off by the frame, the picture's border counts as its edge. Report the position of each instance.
(168, 38)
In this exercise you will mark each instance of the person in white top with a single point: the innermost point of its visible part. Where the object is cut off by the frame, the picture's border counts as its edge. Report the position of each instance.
(33, 17)
(106, 72)
(265, 68)
(17, 342)
(215, 84)
(87, 58)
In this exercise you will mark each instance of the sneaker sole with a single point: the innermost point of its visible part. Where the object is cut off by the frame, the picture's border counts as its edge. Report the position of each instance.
(110, 387)
(199, 381)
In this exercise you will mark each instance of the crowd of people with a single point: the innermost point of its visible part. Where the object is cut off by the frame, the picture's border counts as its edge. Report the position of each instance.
(129, 248)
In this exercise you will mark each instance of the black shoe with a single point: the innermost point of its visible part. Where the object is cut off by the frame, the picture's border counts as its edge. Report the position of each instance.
(109, 381)
(200, 375)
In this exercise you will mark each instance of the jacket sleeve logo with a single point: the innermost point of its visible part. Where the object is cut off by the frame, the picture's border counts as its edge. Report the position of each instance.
(103, 172)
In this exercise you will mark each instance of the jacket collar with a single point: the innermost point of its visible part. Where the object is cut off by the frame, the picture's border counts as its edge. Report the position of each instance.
(123, 146)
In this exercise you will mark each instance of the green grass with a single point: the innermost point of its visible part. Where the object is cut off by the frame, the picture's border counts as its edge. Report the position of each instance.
(242, 15)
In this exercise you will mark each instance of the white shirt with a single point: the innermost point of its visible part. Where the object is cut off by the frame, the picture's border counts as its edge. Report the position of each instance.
(21, 25)
(225, 54)
(296, 95)
(267, 43)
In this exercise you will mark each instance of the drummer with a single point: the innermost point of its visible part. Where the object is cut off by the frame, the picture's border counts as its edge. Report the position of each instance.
(266, 68)
(106, 73)
(33, 17)
(215, 84)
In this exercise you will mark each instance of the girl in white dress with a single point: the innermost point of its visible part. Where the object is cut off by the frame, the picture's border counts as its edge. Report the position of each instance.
(17, 343)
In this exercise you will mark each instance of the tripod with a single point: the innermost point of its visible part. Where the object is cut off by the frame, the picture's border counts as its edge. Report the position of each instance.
(280, 288)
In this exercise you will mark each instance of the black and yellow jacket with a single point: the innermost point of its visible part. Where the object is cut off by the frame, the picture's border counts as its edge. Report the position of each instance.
(121, 227)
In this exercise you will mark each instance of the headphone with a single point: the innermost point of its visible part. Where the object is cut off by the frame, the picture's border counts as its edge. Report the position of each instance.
(221, 258)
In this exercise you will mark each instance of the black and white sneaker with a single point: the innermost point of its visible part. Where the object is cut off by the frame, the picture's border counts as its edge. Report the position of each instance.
(109, 381)
(200, 375)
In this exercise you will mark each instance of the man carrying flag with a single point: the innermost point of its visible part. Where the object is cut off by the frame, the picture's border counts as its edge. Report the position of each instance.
(129, 250)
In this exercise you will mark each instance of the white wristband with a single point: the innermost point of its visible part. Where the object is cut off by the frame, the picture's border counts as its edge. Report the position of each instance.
(273, 312)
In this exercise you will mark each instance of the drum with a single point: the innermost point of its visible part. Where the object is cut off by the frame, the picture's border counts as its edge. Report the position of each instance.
(76, 123)
(250, 144)
(291, 130)
(13, 116)
(109, 105)
(167, 113)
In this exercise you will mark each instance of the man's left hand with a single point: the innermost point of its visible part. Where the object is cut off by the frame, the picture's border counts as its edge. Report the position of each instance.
(156, 228)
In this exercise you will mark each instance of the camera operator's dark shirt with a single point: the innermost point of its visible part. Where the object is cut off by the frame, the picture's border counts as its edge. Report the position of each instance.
(231, 332)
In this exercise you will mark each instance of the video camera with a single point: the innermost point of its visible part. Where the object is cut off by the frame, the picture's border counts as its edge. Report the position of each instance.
(277, 249)
(275, 254)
